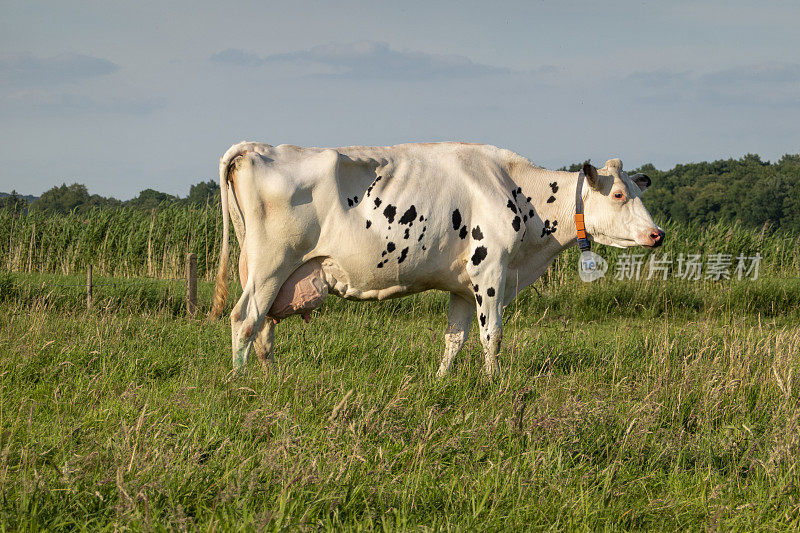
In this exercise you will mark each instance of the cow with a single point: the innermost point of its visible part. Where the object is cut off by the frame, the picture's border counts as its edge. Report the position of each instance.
(371, 223)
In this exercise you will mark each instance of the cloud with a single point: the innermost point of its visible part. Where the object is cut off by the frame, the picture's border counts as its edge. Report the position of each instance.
(763, 73)
(659, 78)
(366, 60)
(31, 71)
(233, 56)
(49, 102)
(763, 85)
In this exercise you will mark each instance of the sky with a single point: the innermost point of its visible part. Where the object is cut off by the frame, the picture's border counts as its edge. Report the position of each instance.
(123, 96)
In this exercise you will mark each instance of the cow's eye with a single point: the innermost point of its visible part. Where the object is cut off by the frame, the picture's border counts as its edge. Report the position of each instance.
(618, 195)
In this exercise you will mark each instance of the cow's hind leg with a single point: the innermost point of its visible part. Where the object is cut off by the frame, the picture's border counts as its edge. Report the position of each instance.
(249, 314)
(265, 277)
(265, 337)
(264, 344)
(459, 319)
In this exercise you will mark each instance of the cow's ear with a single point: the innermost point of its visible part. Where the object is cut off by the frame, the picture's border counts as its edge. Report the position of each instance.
(642, 180)
(591, 175)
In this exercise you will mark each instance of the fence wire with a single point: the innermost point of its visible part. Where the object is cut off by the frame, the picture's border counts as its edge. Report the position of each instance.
(166, 289)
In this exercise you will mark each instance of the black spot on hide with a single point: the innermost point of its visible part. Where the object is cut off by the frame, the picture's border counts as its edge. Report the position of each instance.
(554, 187)
(390, 247)
(479, 255)
(551, 199)
(456, 219)
(477, 234)
(409, 216)
(478, 299)
(463, 232)
(378, 203)
(483, 319)
(511, 206)
(490, 291)
(390, 212)
(369, 223)
(403, 255)
(549, 229)
(515, 223)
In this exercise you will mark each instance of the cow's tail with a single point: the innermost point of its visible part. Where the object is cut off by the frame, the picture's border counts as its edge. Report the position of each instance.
(221, 286)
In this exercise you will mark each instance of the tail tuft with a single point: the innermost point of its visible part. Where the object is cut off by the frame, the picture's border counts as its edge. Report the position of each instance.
(220, 289)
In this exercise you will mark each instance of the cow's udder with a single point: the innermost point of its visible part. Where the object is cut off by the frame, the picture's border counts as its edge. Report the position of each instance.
(304, 291)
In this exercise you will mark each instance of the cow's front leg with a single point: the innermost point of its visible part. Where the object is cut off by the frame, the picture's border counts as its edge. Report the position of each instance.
(459, 319)
(489, 287)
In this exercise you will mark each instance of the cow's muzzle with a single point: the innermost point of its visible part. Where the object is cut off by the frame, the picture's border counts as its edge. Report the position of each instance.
(655, 238)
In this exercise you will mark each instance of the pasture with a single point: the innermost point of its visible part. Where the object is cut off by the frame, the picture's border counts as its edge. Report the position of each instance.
(620, 404)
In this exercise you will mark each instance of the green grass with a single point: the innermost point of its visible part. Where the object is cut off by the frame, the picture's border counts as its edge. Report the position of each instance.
(620, 405)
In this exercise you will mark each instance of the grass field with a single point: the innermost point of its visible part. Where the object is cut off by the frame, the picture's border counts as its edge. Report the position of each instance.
(639, 405)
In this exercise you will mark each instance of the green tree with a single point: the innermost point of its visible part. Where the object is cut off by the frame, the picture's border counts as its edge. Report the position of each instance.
(203, 192)
(68, 198)
(14, 202)
(63, 199)
(151, 199)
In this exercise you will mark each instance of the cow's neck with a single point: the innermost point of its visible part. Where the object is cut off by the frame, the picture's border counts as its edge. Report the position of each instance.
(538, 250)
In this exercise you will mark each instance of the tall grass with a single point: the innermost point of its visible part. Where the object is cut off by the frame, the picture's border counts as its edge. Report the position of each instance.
(121, 242)
(130, 242)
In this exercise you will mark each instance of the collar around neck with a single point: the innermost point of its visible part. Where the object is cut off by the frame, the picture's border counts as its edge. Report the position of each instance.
(583, 240)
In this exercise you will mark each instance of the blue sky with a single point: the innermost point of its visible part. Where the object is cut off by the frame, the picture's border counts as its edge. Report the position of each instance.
(123, 96)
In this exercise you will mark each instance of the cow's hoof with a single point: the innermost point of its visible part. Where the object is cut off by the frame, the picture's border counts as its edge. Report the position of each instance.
(492, 371)
(240, 360)
(266, 365)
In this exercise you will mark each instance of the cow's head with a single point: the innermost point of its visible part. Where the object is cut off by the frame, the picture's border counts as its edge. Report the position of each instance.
(614, 212)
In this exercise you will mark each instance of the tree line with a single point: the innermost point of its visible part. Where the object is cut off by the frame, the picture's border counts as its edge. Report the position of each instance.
(748, 190)
(76, 198)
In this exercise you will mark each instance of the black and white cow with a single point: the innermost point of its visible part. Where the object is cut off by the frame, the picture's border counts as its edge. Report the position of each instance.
(370, 223)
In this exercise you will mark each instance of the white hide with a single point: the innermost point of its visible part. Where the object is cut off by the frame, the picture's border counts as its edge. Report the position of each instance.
(380, 222)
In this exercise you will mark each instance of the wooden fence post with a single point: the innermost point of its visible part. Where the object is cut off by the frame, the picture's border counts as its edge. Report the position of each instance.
(89, 287)
(191, 282)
